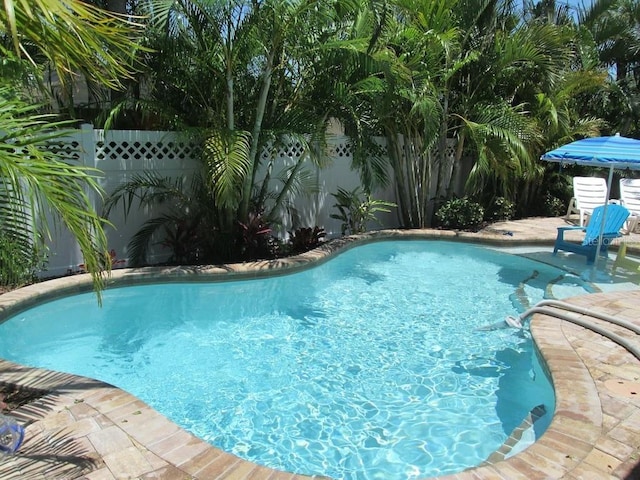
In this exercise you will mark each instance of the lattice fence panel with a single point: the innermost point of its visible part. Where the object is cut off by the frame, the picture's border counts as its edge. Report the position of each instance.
(67, 149)
(293, 150)
(340, 150)
(450, 149)
(140, 150)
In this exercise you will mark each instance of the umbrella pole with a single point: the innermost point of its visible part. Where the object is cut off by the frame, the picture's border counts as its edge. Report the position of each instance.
(604, 217)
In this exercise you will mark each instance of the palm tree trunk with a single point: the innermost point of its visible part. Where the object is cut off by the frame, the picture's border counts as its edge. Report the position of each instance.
(456, 163)
(229, 90)
(120, 7)
(412, 168)
(288, 184)
(445, 164)
(393, 151)
(255, 133)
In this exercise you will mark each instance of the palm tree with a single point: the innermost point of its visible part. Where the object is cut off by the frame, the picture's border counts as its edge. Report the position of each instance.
(612, 27)
(472, 72)
(65, 36)
(423, 45)
(249, 78)
(443, 83)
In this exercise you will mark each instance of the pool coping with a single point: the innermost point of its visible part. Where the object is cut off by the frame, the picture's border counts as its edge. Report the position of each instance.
(118, 436)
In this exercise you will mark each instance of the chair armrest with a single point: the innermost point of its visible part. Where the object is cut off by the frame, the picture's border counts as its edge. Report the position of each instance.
(574, 227)
(561, 230)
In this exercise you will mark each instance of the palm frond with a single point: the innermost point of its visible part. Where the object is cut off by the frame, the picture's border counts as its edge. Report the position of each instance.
(140, 243)
(35, 178)
(146, 189)
(228, 164)
(70, 33)
(505, 138)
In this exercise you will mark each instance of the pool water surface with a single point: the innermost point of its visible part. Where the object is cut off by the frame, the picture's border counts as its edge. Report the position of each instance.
(372, 365)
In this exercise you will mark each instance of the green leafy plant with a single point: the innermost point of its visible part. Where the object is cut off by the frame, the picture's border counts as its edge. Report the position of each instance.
(356, 208)
(35, 178)
(460, 213)
(208, 207)
(62, 37)
(306, 238)
(553, 206)
(183, 219)
(19, 261)
(500, 210)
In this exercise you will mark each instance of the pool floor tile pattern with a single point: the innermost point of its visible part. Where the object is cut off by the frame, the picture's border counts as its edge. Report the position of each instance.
(85, 429)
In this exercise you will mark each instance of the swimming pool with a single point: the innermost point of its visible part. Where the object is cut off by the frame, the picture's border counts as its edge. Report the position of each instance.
(368, 366)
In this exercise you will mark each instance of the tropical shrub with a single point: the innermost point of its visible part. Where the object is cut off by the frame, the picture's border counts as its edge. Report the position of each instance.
(19, 263)
(460, 214)
(500, 210)
(183, 239)
(255, 238)
(183, 223)
(553, 206)
(356, 208)
(306, 238)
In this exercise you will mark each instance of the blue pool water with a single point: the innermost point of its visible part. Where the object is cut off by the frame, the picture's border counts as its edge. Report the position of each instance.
(368, 366)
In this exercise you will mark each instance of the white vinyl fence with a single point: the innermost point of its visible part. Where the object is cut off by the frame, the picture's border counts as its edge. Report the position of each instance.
(119, 155)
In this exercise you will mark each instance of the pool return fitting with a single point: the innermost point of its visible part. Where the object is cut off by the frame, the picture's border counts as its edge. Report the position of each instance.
(542, 308)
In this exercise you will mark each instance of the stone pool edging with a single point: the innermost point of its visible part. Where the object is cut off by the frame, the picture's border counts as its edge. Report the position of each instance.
(121, 437)
(13, 301)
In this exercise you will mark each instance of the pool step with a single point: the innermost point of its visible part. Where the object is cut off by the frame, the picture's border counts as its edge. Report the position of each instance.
(534, 288)
(522, 437)
(568, 285)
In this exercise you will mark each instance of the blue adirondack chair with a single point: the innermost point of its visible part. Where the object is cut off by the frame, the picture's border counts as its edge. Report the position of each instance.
(616, 216)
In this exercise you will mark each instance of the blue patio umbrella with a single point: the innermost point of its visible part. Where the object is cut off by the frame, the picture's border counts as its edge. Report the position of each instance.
(607, 152)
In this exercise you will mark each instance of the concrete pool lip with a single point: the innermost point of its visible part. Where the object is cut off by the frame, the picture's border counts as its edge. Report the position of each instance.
(16, 300)
(88, 429)
(21, 299)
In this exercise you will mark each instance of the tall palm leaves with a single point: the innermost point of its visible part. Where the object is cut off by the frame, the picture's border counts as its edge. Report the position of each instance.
(425, 44)
(69, 34)
(35, 182)
(526, 61)
(470, 72)
(613, 27)
(71, 37)
(428, 88)
(249, 72)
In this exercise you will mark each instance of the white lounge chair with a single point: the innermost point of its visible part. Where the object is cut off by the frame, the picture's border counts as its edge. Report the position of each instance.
(588, 193)
(630, 198)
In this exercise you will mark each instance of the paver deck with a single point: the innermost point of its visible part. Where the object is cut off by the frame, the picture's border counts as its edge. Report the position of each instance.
(87, 429)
